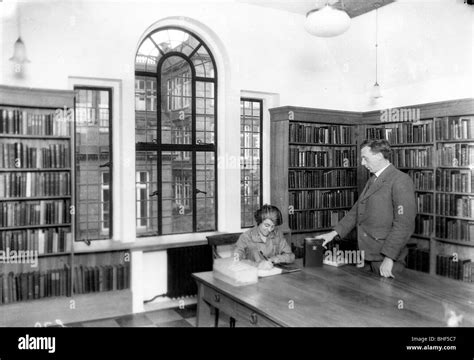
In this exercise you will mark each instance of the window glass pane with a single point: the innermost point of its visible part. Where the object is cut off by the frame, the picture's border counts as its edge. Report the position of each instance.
(205, 191)
(92, 157)
(145, 109)
(177, 192)
(147, 57)
(203, 63)
(250, 182)
(105, 208)
(176, 109)
(146, 193)
(204, 112)
(172, 40)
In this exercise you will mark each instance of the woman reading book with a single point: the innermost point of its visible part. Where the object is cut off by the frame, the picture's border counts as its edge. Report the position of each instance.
(264, 245)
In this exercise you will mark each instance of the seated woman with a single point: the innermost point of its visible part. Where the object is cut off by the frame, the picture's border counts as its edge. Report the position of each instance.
(264, 245)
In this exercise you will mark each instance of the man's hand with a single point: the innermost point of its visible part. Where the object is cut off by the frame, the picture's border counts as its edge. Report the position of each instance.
(265, 265)
(386, 268)
(328, 237)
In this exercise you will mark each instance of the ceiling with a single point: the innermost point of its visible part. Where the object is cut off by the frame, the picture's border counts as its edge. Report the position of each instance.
(353, 7)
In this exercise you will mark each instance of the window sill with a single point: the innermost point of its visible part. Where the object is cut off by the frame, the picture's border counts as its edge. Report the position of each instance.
(146, 244)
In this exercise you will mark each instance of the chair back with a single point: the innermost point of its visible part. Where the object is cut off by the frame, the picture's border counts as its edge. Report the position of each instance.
(221, 239)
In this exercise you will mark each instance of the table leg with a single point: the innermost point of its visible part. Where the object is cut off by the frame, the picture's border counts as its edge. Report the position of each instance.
(203, 316)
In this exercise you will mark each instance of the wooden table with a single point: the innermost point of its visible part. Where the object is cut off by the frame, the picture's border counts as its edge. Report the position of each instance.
(344, 296)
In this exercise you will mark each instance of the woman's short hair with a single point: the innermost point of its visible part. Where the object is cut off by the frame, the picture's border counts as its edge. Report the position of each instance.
(268, 212)
(378, 146)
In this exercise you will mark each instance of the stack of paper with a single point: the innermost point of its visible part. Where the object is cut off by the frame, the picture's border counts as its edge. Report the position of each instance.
(270, 272)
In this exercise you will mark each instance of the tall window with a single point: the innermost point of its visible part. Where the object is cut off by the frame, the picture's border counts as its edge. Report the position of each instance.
(175, 132)
(250, 159)
(93, 163)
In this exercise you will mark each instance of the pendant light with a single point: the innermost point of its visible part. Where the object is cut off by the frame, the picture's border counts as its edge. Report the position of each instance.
(376, 91)
(327, 21)
(19, 50)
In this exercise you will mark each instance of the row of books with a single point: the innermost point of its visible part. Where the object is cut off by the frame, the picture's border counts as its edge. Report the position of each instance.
(42, 212)
(17, 287)
(454, 268)
(418, 259)
(412, 157)
(35, 285)
(455, 205)
(424, 203)
(326, 157)
(318, 199)
(321, 178)
(454, 128)
(22, 156)
(33, 184)
(422, 179)
(454, 229)
(423, 225)
(22, 122)
(455, 155)
(43, 241)
(403, 133)
(317, 134)
(455, 180)
(312, 220)
(101, 278)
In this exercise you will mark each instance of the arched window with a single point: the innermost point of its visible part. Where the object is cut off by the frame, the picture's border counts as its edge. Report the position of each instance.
(175, 133)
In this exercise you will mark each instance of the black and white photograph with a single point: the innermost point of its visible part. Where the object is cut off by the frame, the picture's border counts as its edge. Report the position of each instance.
(237, 164)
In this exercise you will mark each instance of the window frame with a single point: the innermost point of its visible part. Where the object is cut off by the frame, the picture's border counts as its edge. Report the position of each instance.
(104, 187)
(193, 148)
(100, 172)
(260, 101)
(138, 187)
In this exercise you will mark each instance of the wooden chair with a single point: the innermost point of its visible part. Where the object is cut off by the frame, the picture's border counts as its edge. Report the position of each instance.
(219, 240)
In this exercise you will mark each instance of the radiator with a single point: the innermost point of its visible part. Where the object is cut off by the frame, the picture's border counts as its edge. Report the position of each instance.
(182, 262)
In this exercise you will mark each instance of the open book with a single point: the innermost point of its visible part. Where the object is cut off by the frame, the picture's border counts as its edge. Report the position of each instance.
(278, 269)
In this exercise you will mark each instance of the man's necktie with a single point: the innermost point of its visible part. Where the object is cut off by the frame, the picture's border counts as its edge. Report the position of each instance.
(371, 182)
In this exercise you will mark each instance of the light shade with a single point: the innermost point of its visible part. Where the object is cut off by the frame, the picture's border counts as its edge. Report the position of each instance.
(376, 91)
(327, 22)
(19, 52)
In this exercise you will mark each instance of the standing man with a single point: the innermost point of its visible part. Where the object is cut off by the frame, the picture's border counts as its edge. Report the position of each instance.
(384, 213)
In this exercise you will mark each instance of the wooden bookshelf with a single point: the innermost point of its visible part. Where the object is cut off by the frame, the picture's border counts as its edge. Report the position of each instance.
(37, 176)
(443, 180)
(36, 192)
(436, 149)
(314, 167)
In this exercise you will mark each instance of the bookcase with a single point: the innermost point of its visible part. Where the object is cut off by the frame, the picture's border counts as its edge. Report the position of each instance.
(434, 144)
(41, 278)
(314, 168)
(314, 185)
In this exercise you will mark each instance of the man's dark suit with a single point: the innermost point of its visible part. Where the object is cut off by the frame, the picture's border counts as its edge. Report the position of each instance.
(384, 216)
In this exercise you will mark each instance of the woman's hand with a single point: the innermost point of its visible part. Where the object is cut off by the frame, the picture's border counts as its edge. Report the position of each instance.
(274, 260)
(265, 265)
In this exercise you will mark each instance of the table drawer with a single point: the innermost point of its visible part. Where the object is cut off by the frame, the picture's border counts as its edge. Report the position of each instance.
(218, 300)
(246, 317)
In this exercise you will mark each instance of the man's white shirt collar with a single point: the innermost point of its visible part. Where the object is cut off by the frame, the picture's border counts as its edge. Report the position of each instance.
(378, 173)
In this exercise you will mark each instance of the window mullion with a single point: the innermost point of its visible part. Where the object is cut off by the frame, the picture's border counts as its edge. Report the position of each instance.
(159, 179)
(193, 142)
